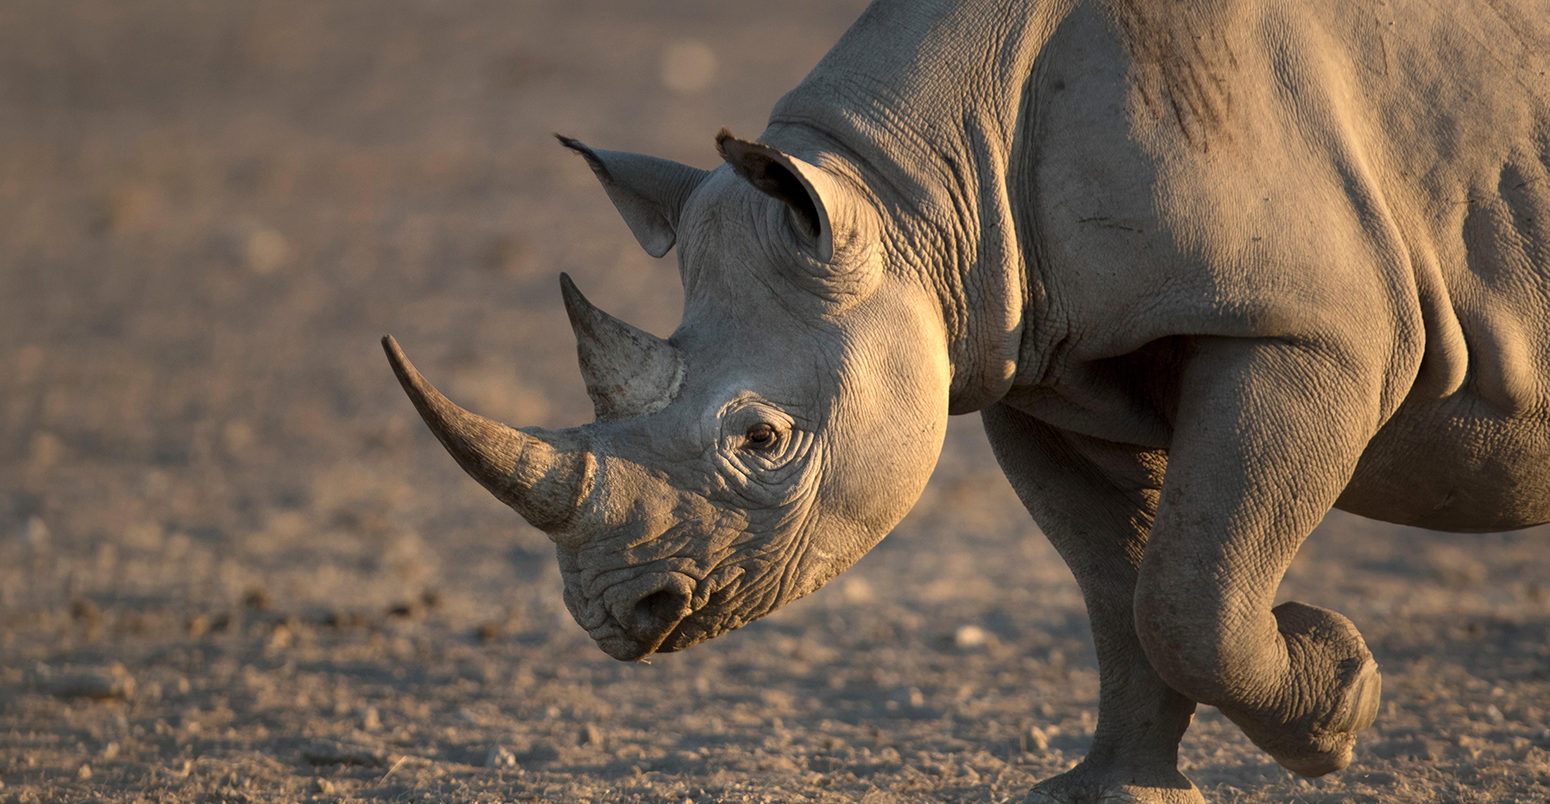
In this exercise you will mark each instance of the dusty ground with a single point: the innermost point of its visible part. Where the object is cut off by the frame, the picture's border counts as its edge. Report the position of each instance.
(233, 566)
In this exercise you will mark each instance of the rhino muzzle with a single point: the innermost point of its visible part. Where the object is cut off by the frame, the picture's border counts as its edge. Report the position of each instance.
(647, 609)
(661, 611)
(544, 476)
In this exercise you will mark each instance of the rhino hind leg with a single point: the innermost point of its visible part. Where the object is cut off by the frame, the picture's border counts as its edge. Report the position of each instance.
(1092, 500)
(1256, 462)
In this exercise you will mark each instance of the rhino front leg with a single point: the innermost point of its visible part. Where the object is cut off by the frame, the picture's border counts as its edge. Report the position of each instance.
(1266, 436)
(1095, 501)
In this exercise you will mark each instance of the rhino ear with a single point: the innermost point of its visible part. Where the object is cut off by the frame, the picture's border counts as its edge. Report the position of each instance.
(648, 192)
(807, 191)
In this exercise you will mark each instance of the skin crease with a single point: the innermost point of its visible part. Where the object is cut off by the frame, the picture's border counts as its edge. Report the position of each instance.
(1206, 270)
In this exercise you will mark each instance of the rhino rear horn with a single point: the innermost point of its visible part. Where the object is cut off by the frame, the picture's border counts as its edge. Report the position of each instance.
(545, 477)
(628, 371)
(648, 192)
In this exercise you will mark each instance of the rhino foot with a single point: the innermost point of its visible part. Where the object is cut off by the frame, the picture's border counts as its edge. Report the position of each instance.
(1087, 784)
(1336, 683)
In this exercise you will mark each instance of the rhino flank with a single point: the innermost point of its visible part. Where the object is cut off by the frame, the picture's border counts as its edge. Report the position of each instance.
(1205, 270)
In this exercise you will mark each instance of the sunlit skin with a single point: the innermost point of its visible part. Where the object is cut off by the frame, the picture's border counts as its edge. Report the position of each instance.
(1206, 271)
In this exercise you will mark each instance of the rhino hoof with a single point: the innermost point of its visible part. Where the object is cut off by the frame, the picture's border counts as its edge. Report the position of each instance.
(1325, 640)
(1335, 745)
(1124, 794)
(1085, 784)
(1362, 709)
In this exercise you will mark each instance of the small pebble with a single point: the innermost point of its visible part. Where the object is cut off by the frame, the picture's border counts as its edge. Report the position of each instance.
(500, 757)
(342, 753)
(36, 533)
(200, 624)
(279, 636)
(344, 619)
(969, 637)
(100, 685)
(84, 609)
(256, 599)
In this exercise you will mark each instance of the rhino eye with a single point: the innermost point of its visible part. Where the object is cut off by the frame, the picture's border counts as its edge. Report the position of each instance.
(761, 436)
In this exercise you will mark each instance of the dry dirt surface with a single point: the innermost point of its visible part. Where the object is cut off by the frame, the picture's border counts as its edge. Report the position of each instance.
(235, 568)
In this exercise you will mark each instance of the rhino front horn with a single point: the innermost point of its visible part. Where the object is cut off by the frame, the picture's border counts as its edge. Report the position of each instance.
(629, 372)
(542, 476)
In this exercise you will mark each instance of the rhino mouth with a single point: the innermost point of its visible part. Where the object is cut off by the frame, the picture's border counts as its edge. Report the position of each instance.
(665, 612)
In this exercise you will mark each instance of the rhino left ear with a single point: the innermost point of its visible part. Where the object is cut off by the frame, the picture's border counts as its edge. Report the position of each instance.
(807, 191)
(648, 192)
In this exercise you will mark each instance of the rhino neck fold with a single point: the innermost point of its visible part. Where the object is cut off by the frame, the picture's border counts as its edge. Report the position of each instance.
(928, 101)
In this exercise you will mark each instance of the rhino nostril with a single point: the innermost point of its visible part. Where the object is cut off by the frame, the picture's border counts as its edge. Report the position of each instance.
(649, 607)
(661, 610)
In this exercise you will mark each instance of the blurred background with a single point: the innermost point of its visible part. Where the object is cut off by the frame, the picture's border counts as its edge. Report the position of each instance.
(212, 212)
(234, 566)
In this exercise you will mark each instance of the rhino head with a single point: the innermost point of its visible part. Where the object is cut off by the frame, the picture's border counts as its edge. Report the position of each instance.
(785, 427)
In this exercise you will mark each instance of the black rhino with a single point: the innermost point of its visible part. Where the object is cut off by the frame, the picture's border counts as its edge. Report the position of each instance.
(1205, 270)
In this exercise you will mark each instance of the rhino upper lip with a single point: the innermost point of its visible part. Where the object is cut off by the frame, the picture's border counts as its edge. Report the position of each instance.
(712, 584)
(704, 589)
(608, 630)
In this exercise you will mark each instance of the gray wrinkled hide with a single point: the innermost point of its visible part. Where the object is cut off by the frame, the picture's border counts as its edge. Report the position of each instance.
(1206, 270)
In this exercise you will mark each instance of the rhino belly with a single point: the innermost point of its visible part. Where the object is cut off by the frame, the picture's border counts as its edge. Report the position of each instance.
(1455, 465)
